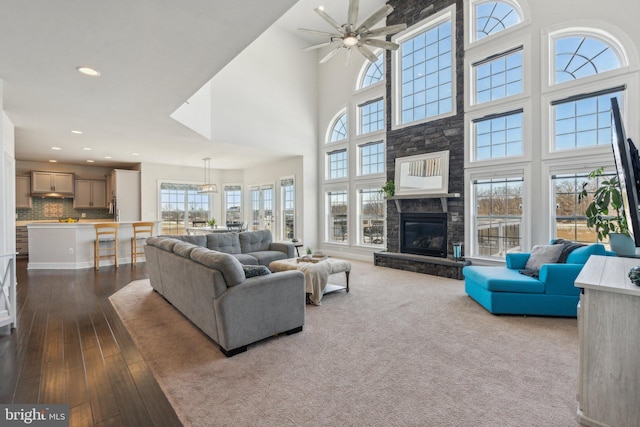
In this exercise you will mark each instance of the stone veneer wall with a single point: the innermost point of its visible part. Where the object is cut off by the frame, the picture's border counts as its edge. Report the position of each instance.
(439, 135)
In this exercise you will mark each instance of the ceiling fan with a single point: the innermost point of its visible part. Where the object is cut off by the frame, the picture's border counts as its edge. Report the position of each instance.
(350, 35)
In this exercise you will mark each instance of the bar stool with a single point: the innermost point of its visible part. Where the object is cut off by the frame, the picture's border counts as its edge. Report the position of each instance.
(106, 232)
(141, 231)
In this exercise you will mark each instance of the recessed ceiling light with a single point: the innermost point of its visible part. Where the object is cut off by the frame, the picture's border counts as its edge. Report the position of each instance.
(90, 161)
(56, 148)
(107, 157)
(77, 132)
(88, 71)
(53, 161)
(135, 154)
(87, 148)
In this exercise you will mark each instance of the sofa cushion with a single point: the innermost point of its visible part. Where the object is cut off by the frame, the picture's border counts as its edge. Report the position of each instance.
(543, 254)
(224, 242)
(254, 241)
(500, 279)
(246, 259)
(267, 257)
(163, 242)
(184, 249)
(255, 270)
(230, 267)
(581, 255)
(197, 239)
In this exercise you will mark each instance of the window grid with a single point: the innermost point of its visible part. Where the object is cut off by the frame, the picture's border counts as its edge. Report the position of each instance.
(583, 122)
(372, 158)
(374, 73)
(579, 56)
(499, 78)
(427, 89)
(267, 208)
(337, 225)
(181, 205)
(233, 204)
(288, 209)
(339, 131)
(493, 17)
(371, 116)
(499, 137)
(337, 164)
(498, 216)
(372, 217)
(255, 209)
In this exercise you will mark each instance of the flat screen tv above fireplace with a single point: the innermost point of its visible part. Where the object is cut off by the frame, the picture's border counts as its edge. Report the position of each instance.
(424, 234)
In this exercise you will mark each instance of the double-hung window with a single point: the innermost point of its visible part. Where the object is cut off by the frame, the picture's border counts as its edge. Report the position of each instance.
(233, 204)
(371, 158)
(498, 76)
(498, 135)
(337, 164)
(288, 208)
(337, 214)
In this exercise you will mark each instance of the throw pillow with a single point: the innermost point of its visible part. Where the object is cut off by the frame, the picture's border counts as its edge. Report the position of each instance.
(255, 270)
(543, 254)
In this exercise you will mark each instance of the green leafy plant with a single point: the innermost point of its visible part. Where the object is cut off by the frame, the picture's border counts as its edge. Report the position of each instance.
(308, 250)
(212, 222)
(606, 212)
(294, 240)
(389, 188)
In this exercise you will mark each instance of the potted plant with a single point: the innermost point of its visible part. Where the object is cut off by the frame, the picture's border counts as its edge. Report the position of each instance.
(389, 188)
(212, 222)
(606, 215)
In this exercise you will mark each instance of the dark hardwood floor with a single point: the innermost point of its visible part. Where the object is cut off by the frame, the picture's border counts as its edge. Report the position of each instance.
(70, 347)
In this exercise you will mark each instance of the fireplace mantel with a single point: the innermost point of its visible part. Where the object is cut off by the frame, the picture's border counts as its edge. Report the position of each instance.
(442, 196)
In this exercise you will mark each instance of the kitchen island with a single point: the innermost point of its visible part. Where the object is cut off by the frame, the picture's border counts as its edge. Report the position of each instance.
(69, 246)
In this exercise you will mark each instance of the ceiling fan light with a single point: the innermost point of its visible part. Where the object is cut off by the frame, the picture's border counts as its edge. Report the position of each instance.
(350, 40)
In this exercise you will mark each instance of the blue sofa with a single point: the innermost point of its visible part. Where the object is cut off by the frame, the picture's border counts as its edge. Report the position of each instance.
(504, 290)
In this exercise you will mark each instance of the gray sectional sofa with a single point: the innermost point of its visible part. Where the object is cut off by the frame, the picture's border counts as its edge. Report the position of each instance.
(211, 289)
(249, 247)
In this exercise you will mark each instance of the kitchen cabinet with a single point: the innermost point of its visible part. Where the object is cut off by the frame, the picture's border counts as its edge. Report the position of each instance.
(23, 192)
(90, 194)
(22, 240)
(60, 183)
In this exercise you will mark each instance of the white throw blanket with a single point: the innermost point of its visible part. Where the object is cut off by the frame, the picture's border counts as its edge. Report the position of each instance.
(317, 275)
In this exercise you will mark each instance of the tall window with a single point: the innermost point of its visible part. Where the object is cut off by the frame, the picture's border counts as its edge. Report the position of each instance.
(498, 136)
(371, 115)
(374, 73)
(339, 130)
(584, 120)
(233, 203)
(372, 158)
(181, 204)
(426, 72)
(581, 56)
(337, 216)
(498, 216)
(498, 77)
(570, 218)
(337, 162)
(255, 208)
(288, 208)
(372, 217)
(492, 17)
(262, 207)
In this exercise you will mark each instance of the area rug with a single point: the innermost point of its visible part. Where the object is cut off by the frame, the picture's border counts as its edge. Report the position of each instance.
(401, 349)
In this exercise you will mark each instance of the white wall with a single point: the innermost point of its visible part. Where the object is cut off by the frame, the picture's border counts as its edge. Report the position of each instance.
(7, 183)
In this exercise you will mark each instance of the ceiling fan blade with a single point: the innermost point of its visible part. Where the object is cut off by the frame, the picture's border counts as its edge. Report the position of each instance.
(330, 55)
(320, 33)
(347, 58)
(381, 43)
(352, 19)
(320, 11)
(366, 52)
(383, 31)
(383, 12)
(318, 46)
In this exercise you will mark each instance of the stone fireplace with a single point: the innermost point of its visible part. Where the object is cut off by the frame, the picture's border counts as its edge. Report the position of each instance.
(423, 234)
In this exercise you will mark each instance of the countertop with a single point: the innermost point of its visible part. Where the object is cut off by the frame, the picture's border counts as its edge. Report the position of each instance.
(81, 222)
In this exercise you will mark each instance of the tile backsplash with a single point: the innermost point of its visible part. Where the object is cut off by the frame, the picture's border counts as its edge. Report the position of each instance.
(50, 208)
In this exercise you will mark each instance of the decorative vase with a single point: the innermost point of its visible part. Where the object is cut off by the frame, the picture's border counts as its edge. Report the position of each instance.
(634, 275)
(622, 244)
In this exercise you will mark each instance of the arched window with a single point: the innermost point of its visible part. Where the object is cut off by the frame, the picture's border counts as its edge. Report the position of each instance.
(339, 129)
(373, 73)
(494, 16)
(578, 56)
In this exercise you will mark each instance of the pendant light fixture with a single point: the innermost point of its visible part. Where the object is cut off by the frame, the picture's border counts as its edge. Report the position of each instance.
(207, 187)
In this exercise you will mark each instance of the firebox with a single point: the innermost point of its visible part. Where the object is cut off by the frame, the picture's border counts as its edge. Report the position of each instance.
(424, 234)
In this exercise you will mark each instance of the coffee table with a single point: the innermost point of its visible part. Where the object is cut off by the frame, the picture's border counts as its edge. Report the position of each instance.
(316, 275)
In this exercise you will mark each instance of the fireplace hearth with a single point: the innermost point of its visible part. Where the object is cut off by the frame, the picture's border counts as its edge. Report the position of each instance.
(423, 234)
